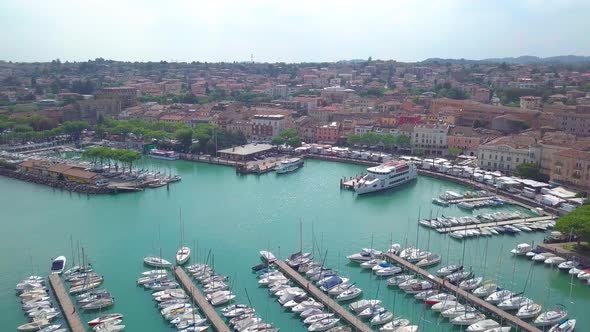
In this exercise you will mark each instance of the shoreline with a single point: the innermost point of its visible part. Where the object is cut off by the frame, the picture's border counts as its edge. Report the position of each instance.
(65, 185)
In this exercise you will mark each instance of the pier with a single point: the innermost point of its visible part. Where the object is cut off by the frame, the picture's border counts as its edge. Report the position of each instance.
(65, 303)
(467, 296)
(320, 296)
(495, 223)
(187, 284)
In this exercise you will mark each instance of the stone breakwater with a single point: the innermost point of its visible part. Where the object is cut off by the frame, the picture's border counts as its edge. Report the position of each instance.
(70, 186)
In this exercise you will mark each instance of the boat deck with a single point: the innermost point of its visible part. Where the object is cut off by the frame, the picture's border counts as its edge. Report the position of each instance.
(187, 284)
(475, 301)
(495, 223)
(473, 199)
(65, 303)
(320, 296)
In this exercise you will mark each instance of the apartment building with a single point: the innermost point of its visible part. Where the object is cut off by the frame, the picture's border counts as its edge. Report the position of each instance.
(505, 153)
(265, 127)
(572, 167)
(430, 139)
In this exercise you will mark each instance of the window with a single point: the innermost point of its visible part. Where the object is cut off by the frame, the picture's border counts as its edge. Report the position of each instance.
(517, 159)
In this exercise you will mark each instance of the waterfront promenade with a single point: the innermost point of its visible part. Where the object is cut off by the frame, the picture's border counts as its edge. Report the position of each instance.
(187, 284)
(65, 303)
(316, 293)
(475, 301)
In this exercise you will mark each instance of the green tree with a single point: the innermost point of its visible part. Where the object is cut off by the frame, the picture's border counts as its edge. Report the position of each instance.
(353, 140)
(74, 128)
(530, 171)
(455, 151)
(184, 138)
(576, 222)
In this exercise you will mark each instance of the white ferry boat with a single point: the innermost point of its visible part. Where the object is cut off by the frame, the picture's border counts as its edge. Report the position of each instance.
(164, 154)
(387, 175)
(289, 165)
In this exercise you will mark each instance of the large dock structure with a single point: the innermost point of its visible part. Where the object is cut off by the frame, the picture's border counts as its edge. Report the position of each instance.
(333, 306)
(65, 303)
(185, 281)
(467, 296)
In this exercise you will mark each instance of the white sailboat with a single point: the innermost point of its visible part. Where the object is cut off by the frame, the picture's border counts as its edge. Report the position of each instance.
(183, 254)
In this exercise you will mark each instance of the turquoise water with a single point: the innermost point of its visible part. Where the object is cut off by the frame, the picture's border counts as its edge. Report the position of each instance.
(234, 217)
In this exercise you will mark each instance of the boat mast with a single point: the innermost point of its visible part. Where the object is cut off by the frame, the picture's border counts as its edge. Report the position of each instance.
(300, 236)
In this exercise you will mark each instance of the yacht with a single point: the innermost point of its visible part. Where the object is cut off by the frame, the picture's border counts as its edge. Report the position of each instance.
(521, 249)
(58, 265)
(365, 255)
(388, 175)
(163, 154)
(289, 165)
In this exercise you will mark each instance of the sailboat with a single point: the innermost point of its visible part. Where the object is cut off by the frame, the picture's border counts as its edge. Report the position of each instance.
(183, 254)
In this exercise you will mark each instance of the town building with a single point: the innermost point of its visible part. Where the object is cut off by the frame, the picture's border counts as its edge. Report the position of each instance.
(245, 152)
(572, 167)
(505, 153)
(125, 94)
(265, 127)
(429, 139)
(575, 122)
(328, 133)
(531, 102)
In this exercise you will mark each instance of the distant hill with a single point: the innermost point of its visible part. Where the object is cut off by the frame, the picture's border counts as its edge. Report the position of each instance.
(522, 60)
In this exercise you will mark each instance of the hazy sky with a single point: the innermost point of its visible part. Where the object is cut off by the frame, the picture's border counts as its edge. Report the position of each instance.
(291, 31)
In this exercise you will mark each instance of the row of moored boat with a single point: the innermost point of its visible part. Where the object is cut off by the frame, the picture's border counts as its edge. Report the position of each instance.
(37, 306)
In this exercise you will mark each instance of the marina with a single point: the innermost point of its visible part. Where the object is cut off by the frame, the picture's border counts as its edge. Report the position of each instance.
(333, 306)
(184, 280)
(467, 296)
(496, 223)
(342, 222)
(65, 303)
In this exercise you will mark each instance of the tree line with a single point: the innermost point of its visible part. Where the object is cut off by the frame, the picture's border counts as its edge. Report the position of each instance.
(101, 154)
(388, 141)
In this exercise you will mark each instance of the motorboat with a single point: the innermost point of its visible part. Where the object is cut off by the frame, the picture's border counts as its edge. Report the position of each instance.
(267, 256)
(568, 325)
(156, 262)
(470, 284)
(387, 175)
(371, 311)
(381, 318)
(468, 319)
(514, 303)
(444, 305)
(365, 255)
(483, 325)
(485, 290)
(317, 318)
(58, 265)
(394, 249)
(388, 271)
(542, 256)
(361, 305)
(371, 263)
(430, 260)
(349, 294)
(399, 279)
(554, 260)
(34, 325)
(529, 311)
(550, 317)
(324, 324)
(521, 249)
(567, 265)
(98, 304)
(307, 304)
(499, 296)
(51, 328)
(439, 298)
(182, 255)
(447, 270)
(288, 165)
(311, 312)
(296, 300)
(395, 325)
(339, 289)
(419, 287)
(457, 310)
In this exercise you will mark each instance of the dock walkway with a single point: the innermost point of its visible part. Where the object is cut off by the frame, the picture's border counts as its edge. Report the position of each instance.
(345, 315)
(495, 223)
(475, 301)
(65, 303)
(187, 284)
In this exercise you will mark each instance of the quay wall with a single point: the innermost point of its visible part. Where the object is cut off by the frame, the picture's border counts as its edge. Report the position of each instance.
(70, 186)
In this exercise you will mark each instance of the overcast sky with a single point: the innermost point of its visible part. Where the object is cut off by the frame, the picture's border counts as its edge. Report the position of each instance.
(290, 31)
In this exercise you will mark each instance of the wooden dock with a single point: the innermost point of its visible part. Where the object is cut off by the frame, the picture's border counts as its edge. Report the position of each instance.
(495, 223)
(499, 314)
(187, 284)
(65, 303)
(333, 306)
